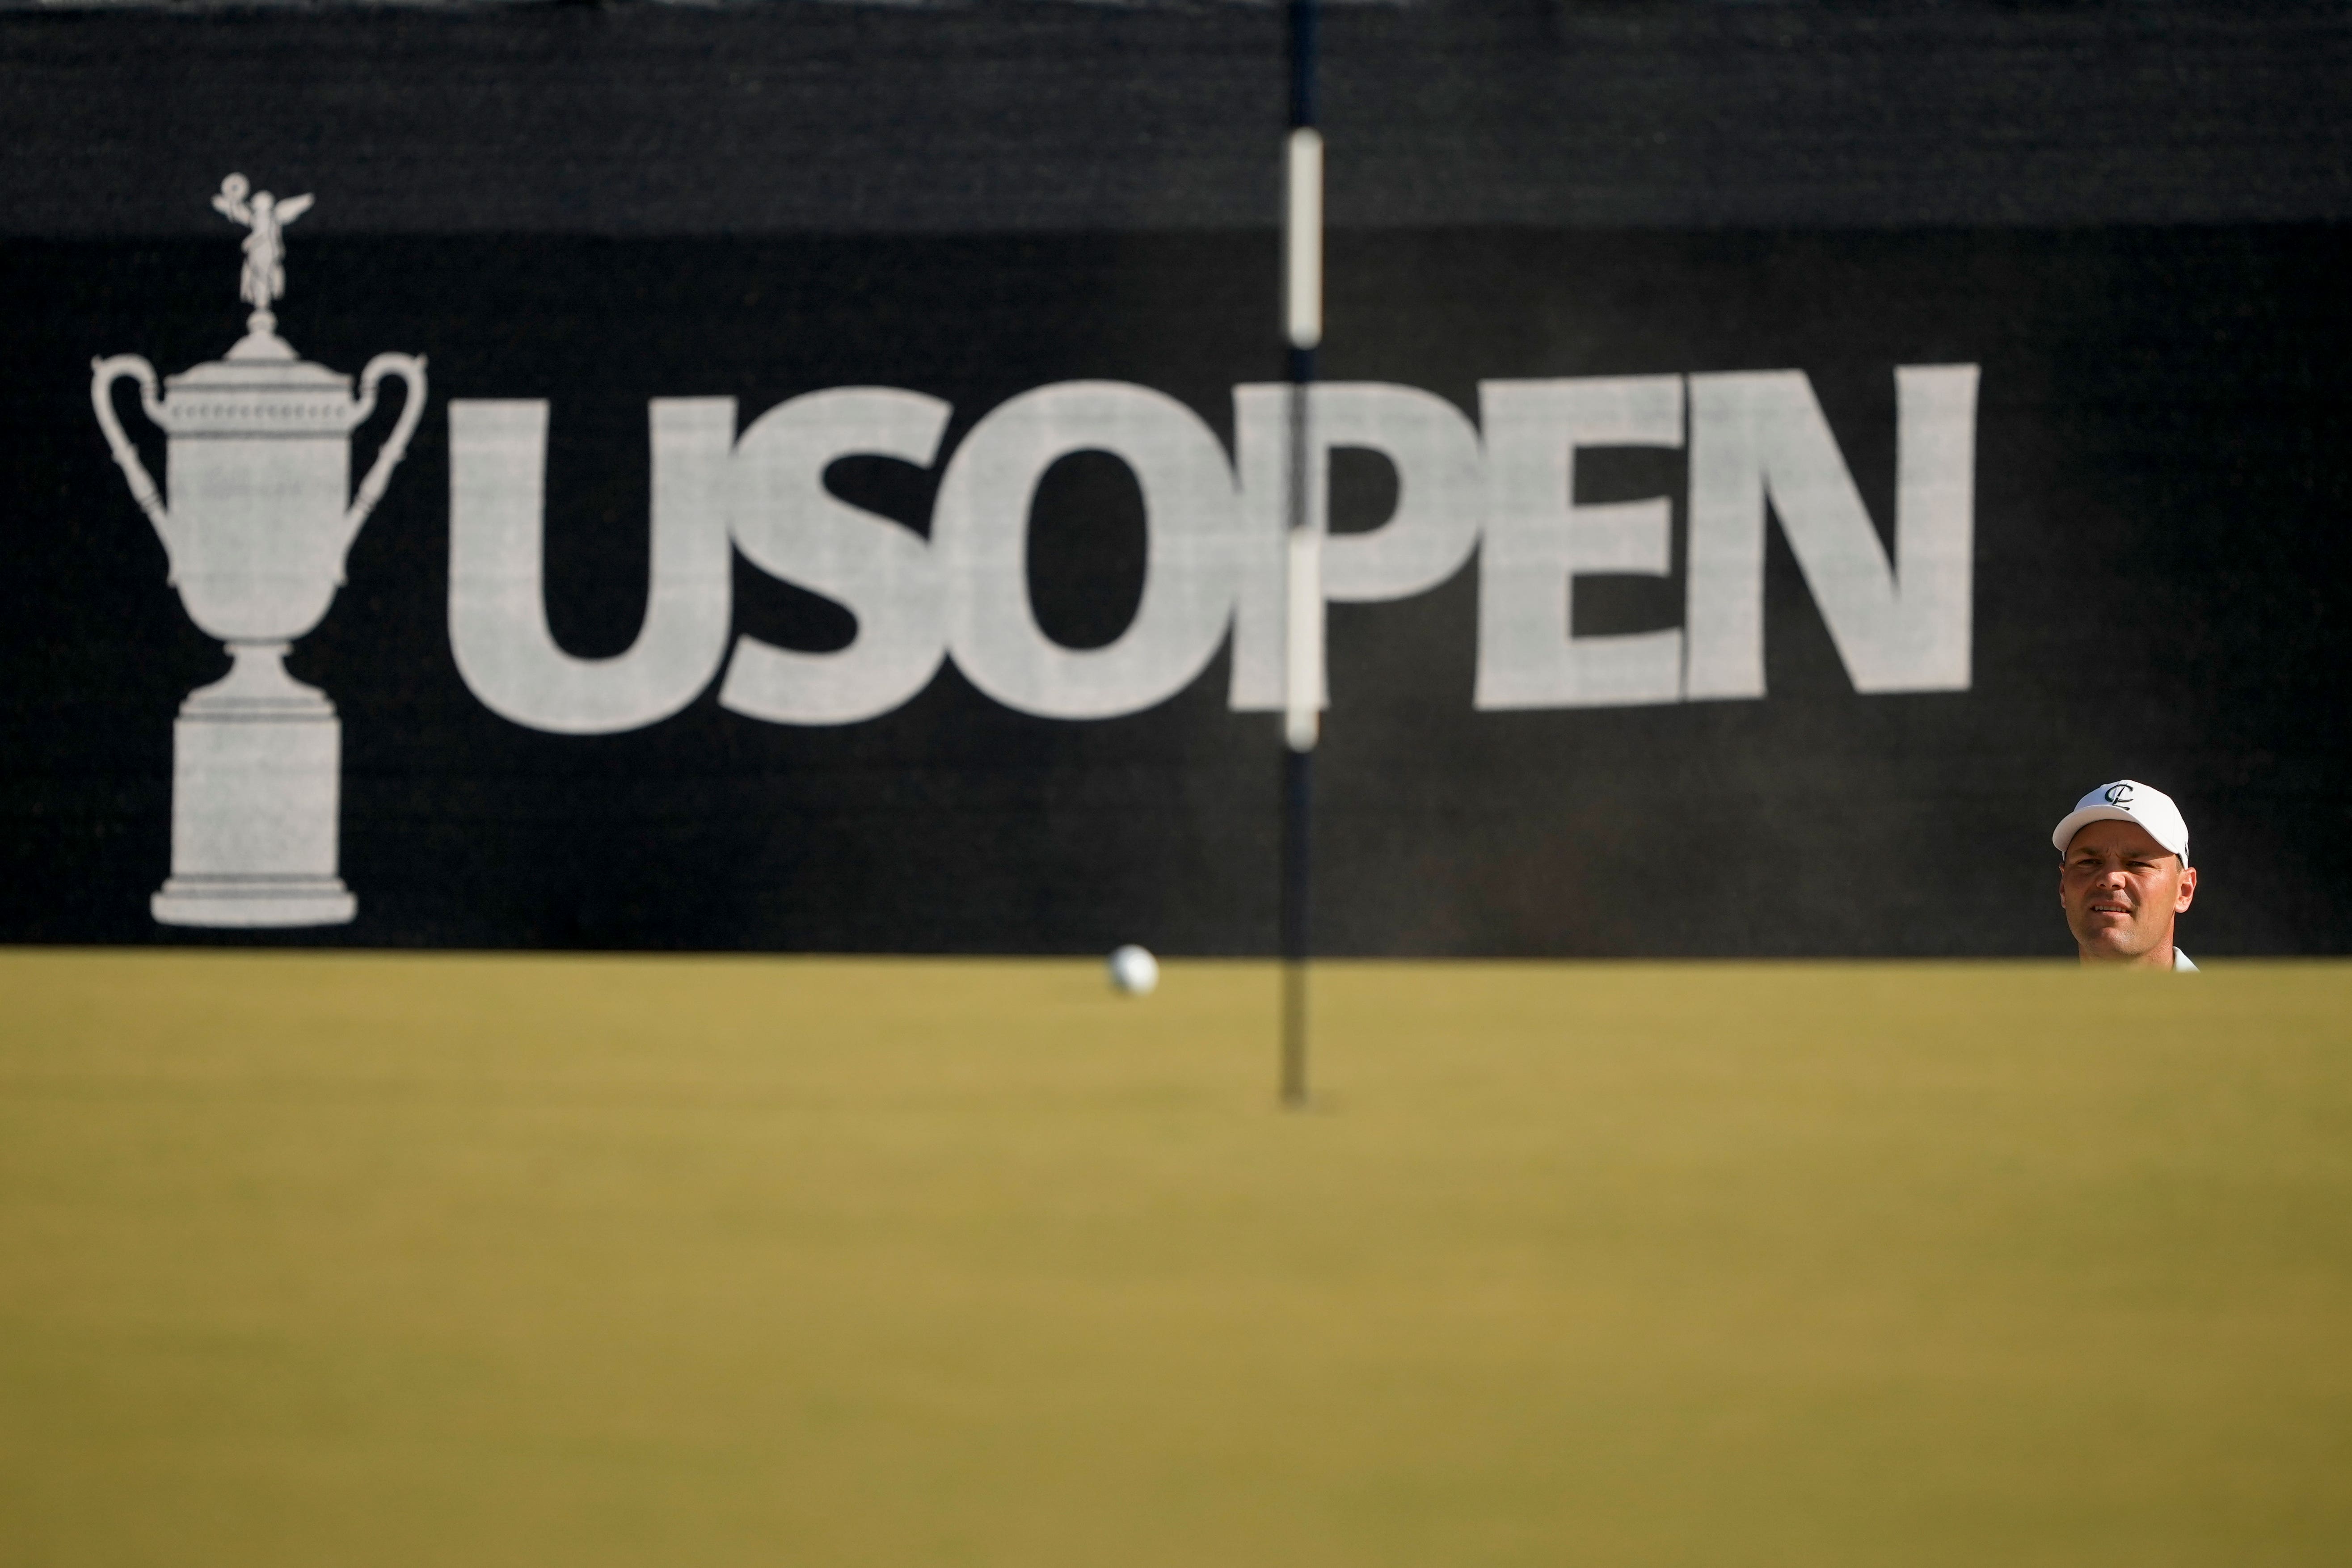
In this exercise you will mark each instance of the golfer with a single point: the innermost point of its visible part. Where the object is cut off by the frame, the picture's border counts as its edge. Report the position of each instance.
(2123, 875)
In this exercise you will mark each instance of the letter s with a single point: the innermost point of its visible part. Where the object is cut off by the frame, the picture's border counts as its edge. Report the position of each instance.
(790, 526)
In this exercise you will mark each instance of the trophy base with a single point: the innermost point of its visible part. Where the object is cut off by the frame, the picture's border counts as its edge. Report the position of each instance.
(256, 759)
(251, 902)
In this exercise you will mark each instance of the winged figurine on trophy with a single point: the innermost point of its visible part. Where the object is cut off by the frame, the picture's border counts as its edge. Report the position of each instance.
(259, 518)
(263, 282)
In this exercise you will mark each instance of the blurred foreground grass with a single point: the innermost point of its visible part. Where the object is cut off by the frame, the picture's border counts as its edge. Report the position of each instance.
(311, 1259)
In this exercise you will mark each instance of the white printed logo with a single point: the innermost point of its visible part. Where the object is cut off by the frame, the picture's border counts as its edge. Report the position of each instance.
(257, 527)
(1217, 561)
(257, 523)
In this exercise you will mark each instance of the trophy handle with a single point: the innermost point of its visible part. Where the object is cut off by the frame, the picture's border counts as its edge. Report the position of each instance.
(410, 368)
(103, 374)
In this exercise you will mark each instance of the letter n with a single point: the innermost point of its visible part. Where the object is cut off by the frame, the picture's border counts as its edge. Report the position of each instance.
(1899, 626)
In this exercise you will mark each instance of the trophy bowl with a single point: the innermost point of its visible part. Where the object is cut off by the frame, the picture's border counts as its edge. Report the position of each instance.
(258, 461)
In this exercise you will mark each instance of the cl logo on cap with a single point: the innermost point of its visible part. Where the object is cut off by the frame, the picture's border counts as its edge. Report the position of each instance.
(2119, 795)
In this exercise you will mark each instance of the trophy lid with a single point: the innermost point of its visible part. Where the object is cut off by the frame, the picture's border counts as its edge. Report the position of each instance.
(234, 375)
(250, 395)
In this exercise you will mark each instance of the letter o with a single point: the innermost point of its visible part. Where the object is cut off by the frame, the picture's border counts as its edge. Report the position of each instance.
(980, 533)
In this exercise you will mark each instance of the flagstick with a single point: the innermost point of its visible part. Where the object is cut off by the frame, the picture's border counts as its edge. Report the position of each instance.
(1303, 641)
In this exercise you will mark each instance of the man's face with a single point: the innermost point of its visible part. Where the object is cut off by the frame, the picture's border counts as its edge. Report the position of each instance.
(2121, 888)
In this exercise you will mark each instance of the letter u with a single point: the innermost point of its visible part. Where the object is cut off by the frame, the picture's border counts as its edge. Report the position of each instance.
(498, 608)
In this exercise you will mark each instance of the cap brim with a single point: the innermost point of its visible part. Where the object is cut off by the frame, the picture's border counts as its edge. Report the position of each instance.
(2076, 821)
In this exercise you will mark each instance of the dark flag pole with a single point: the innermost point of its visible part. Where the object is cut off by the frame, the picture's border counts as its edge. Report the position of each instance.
(1302, 237)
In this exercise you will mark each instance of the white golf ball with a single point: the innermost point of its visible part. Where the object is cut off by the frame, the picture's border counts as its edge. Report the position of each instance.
(1134, 971)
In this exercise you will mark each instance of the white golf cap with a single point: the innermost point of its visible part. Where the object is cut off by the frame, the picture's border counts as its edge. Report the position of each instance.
(2127, 800)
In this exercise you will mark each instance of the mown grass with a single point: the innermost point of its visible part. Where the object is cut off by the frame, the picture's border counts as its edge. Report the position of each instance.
(311, 1259)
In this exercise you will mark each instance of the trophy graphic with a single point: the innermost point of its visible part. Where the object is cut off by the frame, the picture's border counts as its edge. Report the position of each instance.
(257, 457)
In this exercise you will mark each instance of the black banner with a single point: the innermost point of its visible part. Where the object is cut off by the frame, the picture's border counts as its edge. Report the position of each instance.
(1697, 589)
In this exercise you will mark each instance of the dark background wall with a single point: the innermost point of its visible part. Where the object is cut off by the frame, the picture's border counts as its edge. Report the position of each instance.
(1040, 115)
(2130, 217)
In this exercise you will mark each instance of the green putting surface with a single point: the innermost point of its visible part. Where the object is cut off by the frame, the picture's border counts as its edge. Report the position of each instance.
(313, 1259)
